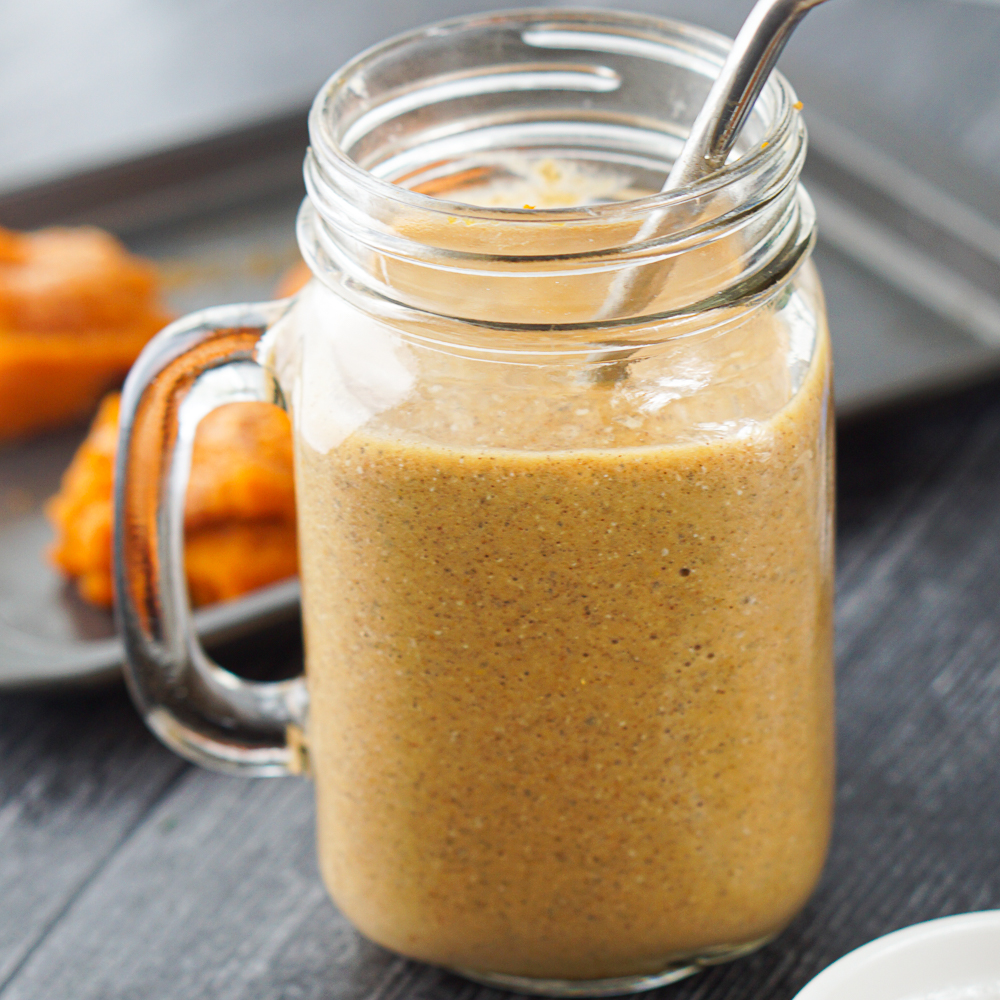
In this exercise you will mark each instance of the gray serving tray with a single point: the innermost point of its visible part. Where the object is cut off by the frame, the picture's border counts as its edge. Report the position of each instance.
(49, 637)
(911, 271)
(912, 278)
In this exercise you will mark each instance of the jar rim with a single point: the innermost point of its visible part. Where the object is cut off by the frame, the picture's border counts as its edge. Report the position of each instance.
(704, 44)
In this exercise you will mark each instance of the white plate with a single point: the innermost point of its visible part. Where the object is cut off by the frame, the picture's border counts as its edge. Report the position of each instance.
(953, 958)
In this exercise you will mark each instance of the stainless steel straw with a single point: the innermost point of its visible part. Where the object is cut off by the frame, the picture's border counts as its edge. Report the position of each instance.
(723, 115)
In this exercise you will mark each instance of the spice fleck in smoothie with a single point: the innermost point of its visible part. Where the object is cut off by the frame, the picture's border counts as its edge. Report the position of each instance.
(569, 650)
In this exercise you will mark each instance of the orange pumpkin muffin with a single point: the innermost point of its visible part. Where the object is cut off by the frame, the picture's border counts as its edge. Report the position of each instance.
(75, 311)
(239, 515)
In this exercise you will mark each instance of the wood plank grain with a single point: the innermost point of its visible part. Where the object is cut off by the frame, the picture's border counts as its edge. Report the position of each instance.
(200, 901)
(77, 777)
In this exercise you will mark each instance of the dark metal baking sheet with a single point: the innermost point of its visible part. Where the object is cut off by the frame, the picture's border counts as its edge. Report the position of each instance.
(219, 219)
(48, 636)
(912, 274)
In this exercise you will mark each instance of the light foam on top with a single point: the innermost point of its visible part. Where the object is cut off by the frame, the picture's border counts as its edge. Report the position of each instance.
(547, 183)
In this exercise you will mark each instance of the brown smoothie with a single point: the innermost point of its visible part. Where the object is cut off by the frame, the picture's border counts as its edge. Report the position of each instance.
(570, 668)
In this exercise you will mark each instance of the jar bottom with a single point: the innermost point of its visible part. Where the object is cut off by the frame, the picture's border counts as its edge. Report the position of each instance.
(616, 986)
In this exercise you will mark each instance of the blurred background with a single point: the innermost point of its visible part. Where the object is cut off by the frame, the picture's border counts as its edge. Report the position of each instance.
(148, 116)
(83, 85)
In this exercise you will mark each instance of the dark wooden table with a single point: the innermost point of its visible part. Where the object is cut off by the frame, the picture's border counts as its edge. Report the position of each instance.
(126, 873)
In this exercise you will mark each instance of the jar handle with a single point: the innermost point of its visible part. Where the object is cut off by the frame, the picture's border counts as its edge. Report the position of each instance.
(202, 711)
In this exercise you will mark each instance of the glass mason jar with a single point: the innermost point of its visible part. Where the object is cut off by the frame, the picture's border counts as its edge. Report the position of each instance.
(564, 489)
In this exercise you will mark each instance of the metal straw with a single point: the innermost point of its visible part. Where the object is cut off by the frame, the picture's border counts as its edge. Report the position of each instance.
(723, 115)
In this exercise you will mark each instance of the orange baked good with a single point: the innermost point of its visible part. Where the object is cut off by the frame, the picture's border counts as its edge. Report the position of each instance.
(75, 311)
(239, 514)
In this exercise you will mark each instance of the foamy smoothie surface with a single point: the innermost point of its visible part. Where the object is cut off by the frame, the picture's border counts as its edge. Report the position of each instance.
(568, 638)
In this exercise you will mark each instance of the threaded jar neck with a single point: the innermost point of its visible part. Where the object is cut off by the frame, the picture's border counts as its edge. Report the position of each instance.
(423, 147)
